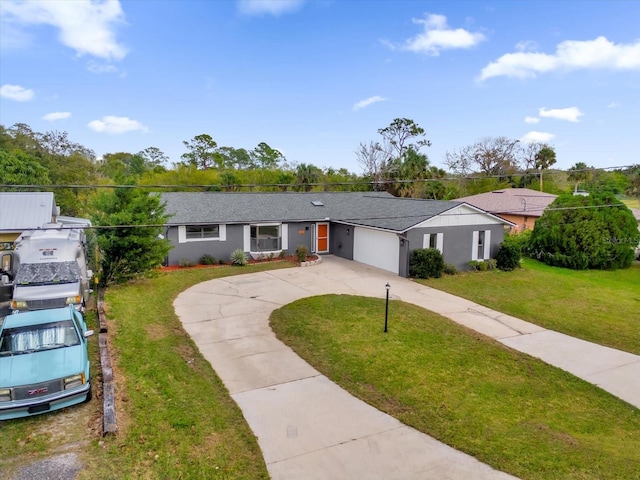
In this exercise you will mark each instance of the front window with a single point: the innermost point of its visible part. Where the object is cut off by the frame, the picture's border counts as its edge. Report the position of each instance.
(481, 245)
(265, 238)
(5, 264)
(15, 341)
(198, 232)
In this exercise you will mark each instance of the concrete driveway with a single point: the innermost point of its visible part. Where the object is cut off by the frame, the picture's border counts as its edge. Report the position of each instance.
(308, 427)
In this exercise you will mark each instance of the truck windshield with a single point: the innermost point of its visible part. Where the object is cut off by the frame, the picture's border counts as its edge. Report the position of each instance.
(47, 273)
(33, 338)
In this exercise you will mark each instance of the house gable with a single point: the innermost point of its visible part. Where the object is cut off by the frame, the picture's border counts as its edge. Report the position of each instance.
(462, 215)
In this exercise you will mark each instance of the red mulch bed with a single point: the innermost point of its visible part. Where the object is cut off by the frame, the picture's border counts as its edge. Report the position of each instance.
(289, 258)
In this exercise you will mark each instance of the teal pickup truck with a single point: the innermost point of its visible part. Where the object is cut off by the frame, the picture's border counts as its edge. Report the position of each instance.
(44, 363)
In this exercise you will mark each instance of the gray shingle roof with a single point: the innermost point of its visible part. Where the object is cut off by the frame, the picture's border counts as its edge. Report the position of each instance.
(372, 209)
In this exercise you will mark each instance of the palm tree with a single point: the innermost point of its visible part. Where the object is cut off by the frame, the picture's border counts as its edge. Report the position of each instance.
(579, 173)
(306, 176)
(544, 159)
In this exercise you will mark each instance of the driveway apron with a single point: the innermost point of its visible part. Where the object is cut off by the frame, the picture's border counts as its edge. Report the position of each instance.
(307, 426)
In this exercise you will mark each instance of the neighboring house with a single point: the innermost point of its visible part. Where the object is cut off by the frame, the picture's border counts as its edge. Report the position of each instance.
(520, 206)
(373, 228)
(20, 211)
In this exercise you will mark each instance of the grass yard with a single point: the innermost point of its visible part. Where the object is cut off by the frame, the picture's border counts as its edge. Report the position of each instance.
(505, 408)
(175, 418)
(598, 306)
(180, 421)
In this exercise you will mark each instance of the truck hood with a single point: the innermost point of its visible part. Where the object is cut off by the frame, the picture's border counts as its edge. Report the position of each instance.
(37, 367)
(38, 292)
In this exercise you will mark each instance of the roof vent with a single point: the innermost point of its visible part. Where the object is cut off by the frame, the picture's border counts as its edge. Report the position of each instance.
(317, 203)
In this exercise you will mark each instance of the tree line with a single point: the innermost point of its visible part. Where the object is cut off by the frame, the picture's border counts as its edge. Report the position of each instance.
(395, 162)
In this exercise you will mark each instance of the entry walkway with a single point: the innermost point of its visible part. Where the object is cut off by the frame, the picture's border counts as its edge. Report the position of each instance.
(308, 427)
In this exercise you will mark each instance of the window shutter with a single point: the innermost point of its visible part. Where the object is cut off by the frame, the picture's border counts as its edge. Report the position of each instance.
(182, 234)
(474, 246)
(487, 244)
(440, 242)
(284, 236)
(425, 240)
(222, 233)
(246, 231)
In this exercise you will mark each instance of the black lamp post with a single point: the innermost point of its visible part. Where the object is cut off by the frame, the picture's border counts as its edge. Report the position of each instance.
(386, 308)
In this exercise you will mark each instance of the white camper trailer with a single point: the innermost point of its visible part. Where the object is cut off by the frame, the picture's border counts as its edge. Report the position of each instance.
(47, 269)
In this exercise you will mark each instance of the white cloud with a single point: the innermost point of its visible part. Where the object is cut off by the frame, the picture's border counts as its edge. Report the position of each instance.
(113, 124)
(438, 36)
(273, 7)
(571, 114)
(570, 55)
(613, 105)
(368, 101)
(95, 67)
(56, 116)
(16, 92)
(536, 137)
(531, 119)
(88, 27)
(526, 46)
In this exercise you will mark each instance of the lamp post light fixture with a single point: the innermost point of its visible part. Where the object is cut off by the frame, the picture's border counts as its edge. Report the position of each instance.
(386, 308)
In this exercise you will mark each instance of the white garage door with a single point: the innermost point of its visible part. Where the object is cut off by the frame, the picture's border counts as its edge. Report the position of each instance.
(376, 248)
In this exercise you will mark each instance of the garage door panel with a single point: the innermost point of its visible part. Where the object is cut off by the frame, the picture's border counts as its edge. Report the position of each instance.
(376, 248)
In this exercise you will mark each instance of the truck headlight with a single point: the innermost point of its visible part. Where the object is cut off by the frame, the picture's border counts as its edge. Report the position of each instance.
(5, 394)
(74, 381)
(18, 304)
(74, 300)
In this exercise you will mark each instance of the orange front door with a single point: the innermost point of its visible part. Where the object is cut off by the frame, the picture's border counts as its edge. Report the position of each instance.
(322, 238)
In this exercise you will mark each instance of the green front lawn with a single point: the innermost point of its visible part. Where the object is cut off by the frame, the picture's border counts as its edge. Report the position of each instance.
(175, 417)
(507, 409)
(178, 420)
(598, 306)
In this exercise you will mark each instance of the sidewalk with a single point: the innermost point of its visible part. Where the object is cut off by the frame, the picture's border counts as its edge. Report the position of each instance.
(308, 427)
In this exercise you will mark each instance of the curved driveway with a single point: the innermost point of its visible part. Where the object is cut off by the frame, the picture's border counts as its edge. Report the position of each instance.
(308, 427)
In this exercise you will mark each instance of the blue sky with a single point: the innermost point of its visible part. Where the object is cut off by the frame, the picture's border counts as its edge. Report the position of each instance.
(315, 78)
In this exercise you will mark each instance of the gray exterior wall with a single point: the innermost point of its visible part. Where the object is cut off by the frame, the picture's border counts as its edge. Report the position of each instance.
(298, 234)
(457, 241)
(193, 251)
(341, 240)
(404, 253)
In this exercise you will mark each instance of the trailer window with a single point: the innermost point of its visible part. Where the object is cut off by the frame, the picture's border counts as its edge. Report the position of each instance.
(6, 262)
